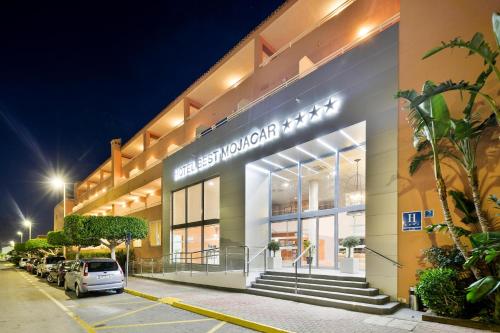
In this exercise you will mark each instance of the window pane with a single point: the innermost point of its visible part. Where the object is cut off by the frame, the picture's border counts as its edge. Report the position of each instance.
(284, 191)
(286, 234)
(211, 200)
(352, 177)
(155, 233)
(179, 207)
(353, 224)
(194, 203)
(137, 243)
(178, 243)
(309, 234)
(318, 180)
(194, 243)
(211, 241)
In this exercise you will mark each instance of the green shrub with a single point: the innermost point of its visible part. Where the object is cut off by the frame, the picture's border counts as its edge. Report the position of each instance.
(438, 288)
(445, 257)
(121, 257)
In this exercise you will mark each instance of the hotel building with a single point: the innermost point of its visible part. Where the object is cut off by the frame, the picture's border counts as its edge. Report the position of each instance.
(293, 136)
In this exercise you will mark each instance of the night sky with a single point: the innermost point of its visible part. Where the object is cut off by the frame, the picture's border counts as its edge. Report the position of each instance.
(75, 74)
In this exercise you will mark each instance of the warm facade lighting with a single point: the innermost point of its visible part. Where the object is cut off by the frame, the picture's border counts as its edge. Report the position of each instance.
(363, 31)
(232, 81)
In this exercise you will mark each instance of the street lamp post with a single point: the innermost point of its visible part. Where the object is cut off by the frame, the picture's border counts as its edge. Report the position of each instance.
(57, 183)
(27, 223)
(20, 235)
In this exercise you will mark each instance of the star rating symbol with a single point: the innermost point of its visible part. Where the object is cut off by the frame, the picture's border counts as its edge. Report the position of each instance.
(286, 125)
(329, 105)
(314, 112)
(299, 119)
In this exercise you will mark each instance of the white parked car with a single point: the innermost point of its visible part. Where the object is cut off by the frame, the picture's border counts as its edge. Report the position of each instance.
(22, 262)
(94, 274)
(46, 264)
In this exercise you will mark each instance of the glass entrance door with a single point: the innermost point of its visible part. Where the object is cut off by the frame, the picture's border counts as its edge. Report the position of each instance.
(319, 232)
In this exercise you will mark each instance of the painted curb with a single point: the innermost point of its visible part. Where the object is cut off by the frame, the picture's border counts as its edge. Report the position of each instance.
(209, 313)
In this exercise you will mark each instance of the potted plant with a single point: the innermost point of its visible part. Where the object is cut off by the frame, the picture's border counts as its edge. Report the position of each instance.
(274, 260)
(349, 264)
(309, 255)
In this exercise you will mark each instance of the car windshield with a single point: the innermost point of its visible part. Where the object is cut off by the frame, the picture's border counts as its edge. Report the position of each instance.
(101, 266)
(54, 260)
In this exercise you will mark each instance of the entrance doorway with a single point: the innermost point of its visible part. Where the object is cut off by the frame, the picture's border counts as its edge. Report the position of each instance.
(316, 196)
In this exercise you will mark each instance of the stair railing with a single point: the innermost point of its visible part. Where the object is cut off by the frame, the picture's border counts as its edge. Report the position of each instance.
(263, 250)
(295, 264)
(395, 263)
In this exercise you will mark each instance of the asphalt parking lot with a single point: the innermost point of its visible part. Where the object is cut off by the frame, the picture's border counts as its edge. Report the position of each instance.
(106, 312)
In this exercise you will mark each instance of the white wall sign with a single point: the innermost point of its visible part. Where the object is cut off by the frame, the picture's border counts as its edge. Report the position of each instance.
(257, 137)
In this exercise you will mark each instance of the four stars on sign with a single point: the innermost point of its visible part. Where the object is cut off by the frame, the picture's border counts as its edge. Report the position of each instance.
(314, 114)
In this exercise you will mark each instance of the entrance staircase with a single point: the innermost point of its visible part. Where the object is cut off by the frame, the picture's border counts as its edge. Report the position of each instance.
(345, 292)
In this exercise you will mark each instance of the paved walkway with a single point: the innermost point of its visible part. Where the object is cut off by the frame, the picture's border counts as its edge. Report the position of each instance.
(293, 316)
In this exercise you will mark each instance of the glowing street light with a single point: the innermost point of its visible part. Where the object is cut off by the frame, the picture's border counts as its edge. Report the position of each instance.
(58, 183)
(12, 243)
(20, 235)
(27, 223)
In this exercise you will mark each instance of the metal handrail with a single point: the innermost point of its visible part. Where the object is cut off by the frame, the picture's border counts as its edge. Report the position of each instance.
(264, 249)
(294, 263)
(395, 263)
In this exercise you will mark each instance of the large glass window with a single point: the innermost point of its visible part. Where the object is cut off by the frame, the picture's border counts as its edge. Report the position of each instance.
(211, 199)
(353, 224)
(286, 234)
(198, 230)
(194, 203)
(179, 207)
(194, 243)
(326, 243)
(318, 184)
(284, 184)
(352, 177)
(309, 238)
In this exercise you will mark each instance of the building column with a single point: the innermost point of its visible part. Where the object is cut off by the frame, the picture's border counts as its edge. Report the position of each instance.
(313, 195)
(116, 160)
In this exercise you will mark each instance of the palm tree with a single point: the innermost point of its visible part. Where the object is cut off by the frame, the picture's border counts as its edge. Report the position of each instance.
(429, 118)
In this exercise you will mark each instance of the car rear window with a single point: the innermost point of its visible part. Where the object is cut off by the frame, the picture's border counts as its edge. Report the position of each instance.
(54, 260)
(102, 266)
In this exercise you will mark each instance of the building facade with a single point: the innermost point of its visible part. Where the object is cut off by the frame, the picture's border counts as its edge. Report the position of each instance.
(295, 136)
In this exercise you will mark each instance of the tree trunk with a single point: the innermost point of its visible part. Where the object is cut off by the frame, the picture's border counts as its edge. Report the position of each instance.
(443, 198)
(476, 198)
(112, 248)
(78, 248)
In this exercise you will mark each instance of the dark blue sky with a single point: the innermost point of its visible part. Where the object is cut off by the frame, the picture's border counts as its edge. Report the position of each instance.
(75, 74)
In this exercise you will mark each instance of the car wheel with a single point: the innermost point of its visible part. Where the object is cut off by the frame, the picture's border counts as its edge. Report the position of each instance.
(78, 293)
(119, 291)
(50, 279)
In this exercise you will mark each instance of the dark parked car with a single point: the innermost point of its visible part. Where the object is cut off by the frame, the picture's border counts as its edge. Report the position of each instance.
(57, 272)
(29, 265)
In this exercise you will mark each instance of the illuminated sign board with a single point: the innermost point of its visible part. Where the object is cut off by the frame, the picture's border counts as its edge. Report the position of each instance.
(257, 137)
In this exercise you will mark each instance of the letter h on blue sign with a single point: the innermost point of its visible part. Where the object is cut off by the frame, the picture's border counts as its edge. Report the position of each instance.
(412, 221)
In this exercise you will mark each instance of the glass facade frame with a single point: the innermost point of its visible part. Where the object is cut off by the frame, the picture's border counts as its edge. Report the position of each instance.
(301, 215)
(184, 228)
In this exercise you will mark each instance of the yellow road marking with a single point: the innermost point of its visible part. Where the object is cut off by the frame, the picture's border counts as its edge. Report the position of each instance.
(72, 315)
(216, 327)
(213, 314)
(168, 300)
(125, 314)
(153, 324)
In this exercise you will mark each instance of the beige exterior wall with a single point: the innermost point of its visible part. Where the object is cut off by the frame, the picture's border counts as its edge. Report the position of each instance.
(424, 24)
(58, 213)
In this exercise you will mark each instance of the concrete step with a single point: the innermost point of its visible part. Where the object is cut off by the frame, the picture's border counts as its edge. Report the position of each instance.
(377, 299)
(340, 289)
(320, 276)
(329, 282)
(380, 309)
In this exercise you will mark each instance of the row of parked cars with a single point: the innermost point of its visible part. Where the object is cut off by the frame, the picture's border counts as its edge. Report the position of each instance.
(82, 276)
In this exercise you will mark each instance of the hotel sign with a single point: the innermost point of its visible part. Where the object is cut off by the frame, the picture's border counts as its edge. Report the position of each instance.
(257, 137)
